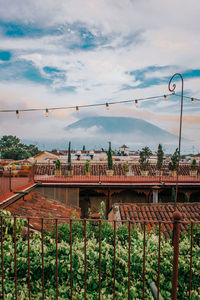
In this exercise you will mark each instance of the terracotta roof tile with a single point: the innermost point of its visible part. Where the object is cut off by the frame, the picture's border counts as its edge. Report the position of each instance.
(37, 205)
(155, 212)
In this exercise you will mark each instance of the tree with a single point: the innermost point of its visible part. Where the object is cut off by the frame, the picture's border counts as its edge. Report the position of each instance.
(193, 165)
(69, 157)
(173, 164)
(160, 157)
(110, 162)
(57, 164)
(11, 148)
(145, 154)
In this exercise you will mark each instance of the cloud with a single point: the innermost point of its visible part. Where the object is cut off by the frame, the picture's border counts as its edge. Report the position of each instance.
(58, 55)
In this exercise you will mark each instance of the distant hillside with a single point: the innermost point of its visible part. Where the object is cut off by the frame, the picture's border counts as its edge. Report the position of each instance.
(127, 129)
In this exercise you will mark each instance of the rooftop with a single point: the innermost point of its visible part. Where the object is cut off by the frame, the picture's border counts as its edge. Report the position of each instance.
(37, 205)
(153, 213)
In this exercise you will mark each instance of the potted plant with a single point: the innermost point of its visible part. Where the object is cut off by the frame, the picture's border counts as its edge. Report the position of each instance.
(87, 167)
(69, 167)
(193, 168)
(160, 159)
(173, 164)
(110, 171)
(58, 168)
(126, 170)
(145, 154)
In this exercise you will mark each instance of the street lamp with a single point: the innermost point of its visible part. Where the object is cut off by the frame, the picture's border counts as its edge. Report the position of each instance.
(172, 89)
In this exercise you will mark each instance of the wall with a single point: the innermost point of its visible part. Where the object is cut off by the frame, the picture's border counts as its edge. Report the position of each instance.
(68, 196)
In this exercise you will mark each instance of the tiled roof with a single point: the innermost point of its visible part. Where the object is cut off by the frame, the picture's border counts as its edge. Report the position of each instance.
(155, 212)
(40, 206)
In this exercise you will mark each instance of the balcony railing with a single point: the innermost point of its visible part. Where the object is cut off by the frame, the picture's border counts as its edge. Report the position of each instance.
(98, 174)
(96, 259)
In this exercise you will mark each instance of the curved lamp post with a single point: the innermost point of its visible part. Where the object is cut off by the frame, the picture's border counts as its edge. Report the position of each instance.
(176, 215)
(172, 88)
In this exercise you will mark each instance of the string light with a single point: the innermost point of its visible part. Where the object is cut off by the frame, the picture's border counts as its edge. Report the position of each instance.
(17, 114)
(47, 112)
(136, 103)
(96, 105)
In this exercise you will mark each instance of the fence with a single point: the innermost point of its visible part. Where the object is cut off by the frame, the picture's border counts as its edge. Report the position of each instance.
(97, 259)
(12, 179)
(98, 173)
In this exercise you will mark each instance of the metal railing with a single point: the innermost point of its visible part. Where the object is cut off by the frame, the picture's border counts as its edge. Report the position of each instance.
(11, 179)
(85, 260)
(98, 174)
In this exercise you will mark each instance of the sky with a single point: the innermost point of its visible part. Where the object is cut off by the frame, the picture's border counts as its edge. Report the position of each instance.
(68, 53)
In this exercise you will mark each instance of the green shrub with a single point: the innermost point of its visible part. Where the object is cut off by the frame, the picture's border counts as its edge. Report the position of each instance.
(92, 259)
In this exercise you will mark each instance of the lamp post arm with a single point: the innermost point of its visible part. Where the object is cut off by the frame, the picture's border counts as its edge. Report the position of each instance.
(172, 88)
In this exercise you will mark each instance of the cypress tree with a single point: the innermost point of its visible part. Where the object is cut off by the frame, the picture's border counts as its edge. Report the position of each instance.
(160, 157)
(69, 157)
(110, 162)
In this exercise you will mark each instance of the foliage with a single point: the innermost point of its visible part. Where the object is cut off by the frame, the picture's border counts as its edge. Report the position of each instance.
(173, 164)
(109, 153)
(57, 164)
(92, 262)
(160, 157)
(126, 168)
(11, 148)
(193, 165)
(69, 157)
(87, 165)
(145, 154)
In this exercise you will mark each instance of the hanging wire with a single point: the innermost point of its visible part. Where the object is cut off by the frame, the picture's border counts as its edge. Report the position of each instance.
(193, 99)
(95, 105)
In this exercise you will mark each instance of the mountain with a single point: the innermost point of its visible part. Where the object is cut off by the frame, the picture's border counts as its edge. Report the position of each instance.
(132, 131)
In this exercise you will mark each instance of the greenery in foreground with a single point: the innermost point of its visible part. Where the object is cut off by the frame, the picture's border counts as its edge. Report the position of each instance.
(107, 252)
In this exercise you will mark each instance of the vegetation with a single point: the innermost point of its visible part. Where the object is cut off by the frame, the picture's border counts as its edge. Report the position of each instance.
(145, 154)
(87, 166)
(110, 162)
(160, 157)
(173, 164)
(92, 269)
(126, 168)
(12, 148)
(57, 164)
(69, 157)
(193, 165)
